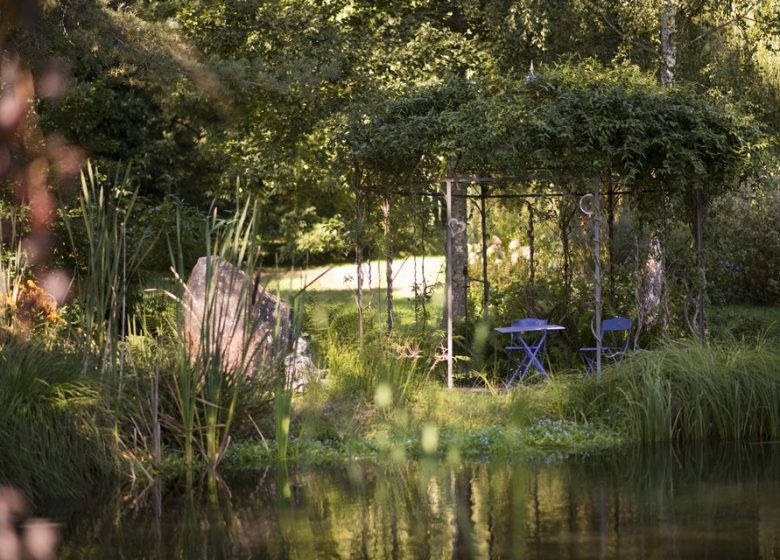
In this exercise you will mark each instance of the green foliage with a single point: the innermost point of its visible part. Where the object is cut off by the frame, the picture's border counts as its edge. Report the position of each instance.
(745, 323)
(51, 422)
(744, 246)
(325, 238)
(728, 391)
(396, 367)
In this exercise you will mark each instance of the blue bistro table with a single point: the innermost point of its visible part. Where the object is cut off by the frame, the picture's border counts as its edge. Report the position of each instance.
(527, 346)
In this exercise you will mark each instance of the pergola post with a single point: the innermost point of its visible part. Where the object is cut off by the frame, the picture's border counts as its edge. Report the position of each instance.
(701, 312)
(448, 287)
(597, 271)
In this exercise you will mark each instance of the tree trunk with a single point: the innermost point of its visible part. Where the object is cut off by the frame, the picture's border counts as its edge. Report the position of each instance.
(457, 225)
(386, 206)
(423, 291)
(668, 41)
(450, 259)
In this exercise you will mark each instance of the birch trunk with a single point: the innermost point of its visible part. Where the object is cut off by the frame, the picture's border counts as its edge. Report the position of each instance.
(668, 41)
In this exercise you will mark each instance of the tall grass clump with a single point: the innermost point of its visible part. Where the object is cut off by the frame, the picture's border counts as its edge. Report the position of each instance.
(50, 440)
(98, 232)
(207, 384)
(13, 264)
(399, 364)
(687, 391)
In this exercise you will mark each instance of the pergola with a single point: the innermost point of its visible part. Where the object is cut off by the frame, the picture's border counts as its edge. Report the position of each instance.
(453, 225)
(595, 214)
(580, 123)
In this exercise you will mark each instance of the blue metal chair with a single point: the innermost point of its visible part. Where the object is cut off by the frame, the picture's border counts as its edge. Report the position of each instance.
(615, 347)
(524, 354)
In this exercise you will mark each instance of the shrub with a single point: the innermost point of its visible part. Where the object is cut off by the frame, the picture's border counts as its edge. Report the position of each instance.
(744, 247)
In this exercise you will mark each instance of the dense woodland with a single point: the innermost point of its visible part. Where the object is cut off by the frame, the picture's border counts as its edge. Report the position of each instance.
(284, 134)
(197, 95)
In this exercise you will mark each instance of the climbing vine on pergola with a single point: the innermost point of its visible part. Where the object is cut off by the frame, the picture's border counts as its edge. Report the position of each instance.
(573, 126)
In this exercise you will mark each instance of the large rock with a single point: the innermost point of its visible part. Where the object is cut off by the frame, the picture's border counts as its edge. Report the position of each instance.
(244, 325)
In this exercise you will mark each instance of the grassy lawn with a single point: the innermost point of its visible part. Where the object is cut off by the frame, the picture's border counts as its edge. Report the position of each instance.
(334, 285)
(343, 277)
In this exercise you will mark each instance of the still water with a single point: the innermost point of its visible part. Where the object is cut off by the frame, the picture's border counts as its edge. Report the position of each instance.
(650, 503)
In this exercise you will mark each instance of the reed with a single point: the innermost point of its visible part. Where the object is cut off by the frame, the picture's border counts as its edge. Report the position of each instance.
(687, 391)
(102, 219)
(208, 388)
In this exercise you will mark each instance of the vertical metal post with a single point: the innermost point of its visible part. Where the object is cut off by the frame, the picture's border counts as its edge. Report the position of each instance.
(597, 271)
(448, 288)
(701, 313)
(485, 282)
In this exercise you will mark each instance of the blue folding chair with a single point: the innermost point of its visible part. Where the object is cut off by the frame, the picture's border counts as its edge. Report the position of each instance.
(615, 343)
(524, 354)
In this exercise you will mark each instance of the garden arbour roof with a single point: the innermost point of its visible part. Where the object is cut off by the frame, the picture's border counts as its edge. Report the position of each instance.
(571, 123)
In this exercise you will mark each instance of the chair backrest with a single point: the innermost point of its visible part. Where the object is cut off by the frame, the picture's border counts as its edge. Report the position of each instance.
(529, 322)
(619, 343)
(616, 324)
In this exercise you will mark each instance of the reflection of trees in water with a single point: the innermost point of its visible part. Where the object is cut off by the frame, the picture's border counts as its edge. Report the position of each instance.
(720, 501)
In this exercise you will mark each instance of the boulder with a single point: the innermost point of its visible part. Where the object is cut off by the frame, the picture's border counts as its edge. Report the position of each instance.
(247, 327)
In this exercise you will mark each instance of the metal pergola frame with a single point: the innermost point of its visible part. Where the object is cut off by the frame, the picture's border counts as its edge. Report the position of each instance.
(594, 213)
(448, 196)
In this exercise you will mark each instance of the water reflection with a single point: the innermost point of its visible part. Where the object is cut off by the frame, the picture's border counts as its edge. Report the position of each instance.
(659, 503)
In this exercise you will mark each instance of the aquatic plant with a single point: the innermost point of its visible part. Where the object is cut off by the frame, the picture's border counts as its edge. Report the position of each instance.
(687, 391)
(207, 385)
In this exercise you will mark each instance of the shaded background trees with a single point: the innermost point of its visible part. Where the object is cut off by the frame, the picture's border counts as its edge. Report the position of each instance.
(196, 94)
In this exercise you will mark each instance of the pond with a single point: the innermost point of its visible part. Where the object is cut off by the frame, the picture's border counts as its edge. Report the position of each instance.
(694, 502)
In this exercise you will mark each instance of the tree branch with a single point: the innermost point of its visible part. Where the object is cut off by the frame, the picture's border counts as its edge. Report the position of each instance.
(643, 45)
(717, 29)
